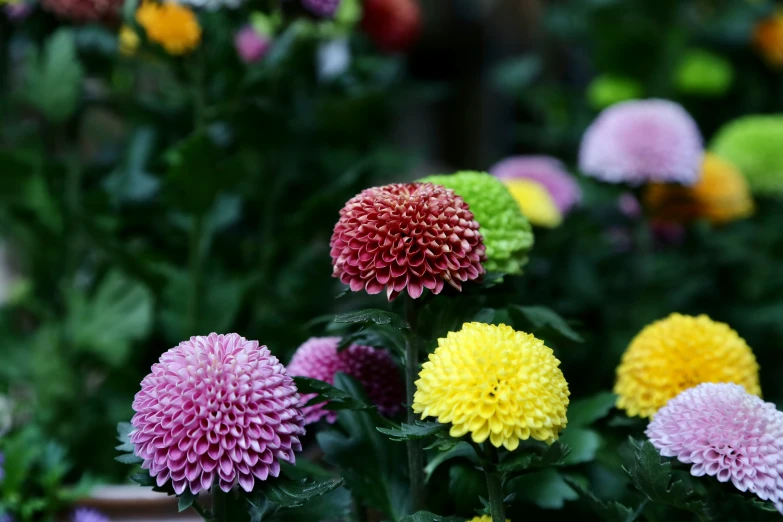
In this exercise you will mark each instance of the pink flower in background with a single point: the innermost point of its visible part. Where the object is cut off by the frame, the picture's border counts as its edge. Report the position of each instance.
(318, 358)
(406, 236)
(88, 515)
(545, 170)
(629, 205)
(643, 140)
(727, 433)
(216, 410)
(84, 10)
(18, 11)
(251, 46)
(324, 8)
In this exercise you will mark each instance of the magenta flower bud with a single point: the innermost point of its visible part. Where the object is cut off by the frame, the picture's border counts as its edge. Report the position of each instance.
(250, 45)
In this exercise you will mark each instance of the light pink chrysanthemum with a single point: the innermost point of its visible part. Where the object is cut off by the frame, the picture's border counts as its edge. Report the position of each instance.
(318, 358)
(84, 10)
(549, 172)
(727, 433)
(216, 410)
(251, 45)
(406, 236)
(643, 140)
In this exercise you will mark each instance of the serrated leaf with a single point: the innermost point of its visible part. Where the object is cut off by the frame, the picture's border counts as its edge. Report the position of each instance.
(610, 511)
(129, 458)
(426, 516)
(124, 430)
(534, 455)
(185, 500)
(128, 447)
(583, 444)
(293, 493)
(415, 431)
(142, 479)
(53, 77)
(461, 450)
(379, 317)
(338, 399)
(546, 488)
(584, 412)
(542, 317)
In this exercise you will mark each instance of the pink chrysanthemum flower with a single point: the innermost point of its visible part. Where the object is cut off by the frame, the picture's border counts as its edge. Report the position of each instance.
(725, 432)
(643, 140)
(251, 45)
(84, 10)
(318, 358)
(216, 410)
(545, 170)
(406, 236)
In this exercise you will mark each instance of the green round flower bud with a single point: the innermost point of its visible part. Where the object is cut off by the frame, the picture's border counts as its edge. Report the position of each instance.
(607, 89)
(507, 234)
(752, 144)
(703, 73)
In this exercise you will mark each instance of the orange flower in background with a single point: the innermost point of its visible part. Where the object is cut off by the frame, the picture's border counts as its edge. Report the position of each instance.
(721, 195)
(768, 38)
(171, 25)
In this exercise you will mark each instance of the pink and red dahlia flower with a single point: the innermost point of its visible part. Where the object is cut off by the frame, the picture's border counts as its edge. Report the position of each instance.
(725, 432)
(406, 236)
(545, 170)
(216, 410)
(393, 25)
(318, 358)
(84, 10)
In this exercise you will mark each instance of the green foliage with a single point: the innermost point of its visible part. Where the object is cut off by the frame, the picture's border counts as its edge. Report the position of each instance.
(533, 318)
(290, 494)
(379, 317)
(426, 516)
(415, 431)
(534, 454)
(338, 399)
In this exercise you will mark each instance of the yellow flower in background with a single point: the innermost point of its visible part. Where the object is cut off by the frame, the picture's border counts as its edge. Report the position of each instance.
(535, 202)
(483, 518)
(721, 195)
(128, 40)
(172, 25)
(768, 38)
(495, 383)
(674, 354)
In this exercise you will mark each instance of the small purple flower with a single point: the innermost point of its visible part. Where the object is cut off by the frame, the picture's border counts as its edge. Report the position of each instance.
(17, 12)
(727, 433)
(641, 141)
(324, 8)
(629, 205)
(547, 171)
(83, 514)
(250, 45)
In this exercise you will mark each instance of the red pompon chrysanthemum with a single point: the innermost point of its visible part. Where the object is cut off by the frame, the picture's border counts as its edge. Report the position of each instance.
(84, 10)
(318, 358)
(216, 410)
(406, 236)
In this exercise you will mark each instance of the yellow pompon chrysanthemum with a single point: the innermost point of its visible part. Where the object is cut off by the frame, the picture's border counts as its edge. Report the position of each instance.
(496, 383)
(128, 41)
(483, 518)
(677, 353)
(535, 202)
(172, 25)
(721, 195)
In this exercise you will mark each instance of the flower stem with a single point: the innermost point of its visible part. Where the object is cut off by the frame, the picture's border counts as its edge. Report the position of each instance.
(494, 485)
(415, 448)
(203, 513)
(219, 499)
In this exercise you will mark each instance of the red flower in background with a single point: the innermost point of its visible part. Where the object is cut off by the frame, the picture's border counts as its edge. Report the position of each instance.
(392, 24)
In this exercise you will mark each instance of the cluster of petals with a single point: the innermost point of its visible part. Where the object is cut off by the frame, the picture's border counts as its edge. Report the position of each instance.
(535, 202)
(319, 358)
(406, 237)
(639, 141)
(724, 432)
(679, 352)
(84, 10)
(494, 383)
(548, 172)
(483, 518)
(216, 410)
(173, 26)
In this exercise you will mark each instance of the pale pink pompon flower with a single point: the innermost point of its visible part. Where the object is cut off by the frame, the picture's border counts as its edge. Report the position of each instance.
(216, 410)
(318, 358)
(727, 433)
(545, 170)
(406, 236)
(639, 141)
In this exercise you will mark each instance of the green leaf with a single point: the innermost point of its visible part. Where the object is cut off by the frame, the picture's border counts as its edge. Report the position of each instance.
(335, 505)
(338, 399)
(532, 455)
(514, 75)
(610, 511)
(426, 516)
(584, 412)
(546, 488)
(288, 493)
(653, 478)
(185, 500)
(583, 443)
(53, 77)
(415, 431)
(129, 458)
(130, 181)
(540, 317)
(143, 479)
(461, 450)
(466, 485)
(124, 430)
(372, 315)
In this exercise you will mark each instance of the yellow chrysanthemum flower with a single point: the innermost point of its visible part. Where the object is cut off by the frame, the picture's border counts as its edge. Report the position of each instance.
(768, 38)
(535, 202)
(128, 41)
(496, 383)
(721, 195)
(483, 518)
(172, 25)
(679, 352)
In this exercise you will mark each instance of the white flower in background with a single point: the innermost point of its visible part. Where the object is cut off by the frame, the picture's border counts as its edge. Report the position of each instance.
(334, 58)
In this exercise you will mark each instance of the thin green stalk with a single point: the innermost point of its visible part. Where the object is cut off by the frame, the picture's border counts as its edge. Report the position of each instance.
(219, 499)
(494, 485)
(415, 447)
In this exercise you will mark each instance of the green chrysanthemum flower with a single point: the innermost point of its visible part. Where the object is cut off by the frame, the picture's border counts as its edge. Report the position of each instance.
(703, 73)
(507, 234)
(753, 144)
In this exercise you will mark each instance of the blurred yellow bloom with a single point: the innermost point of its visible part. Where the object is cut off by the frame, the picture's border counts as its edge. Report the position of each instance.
(483, 518)
(128, 40)
(172, 25)
(535, 202)
(721, 195)
(671, 355)
(768, 38)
